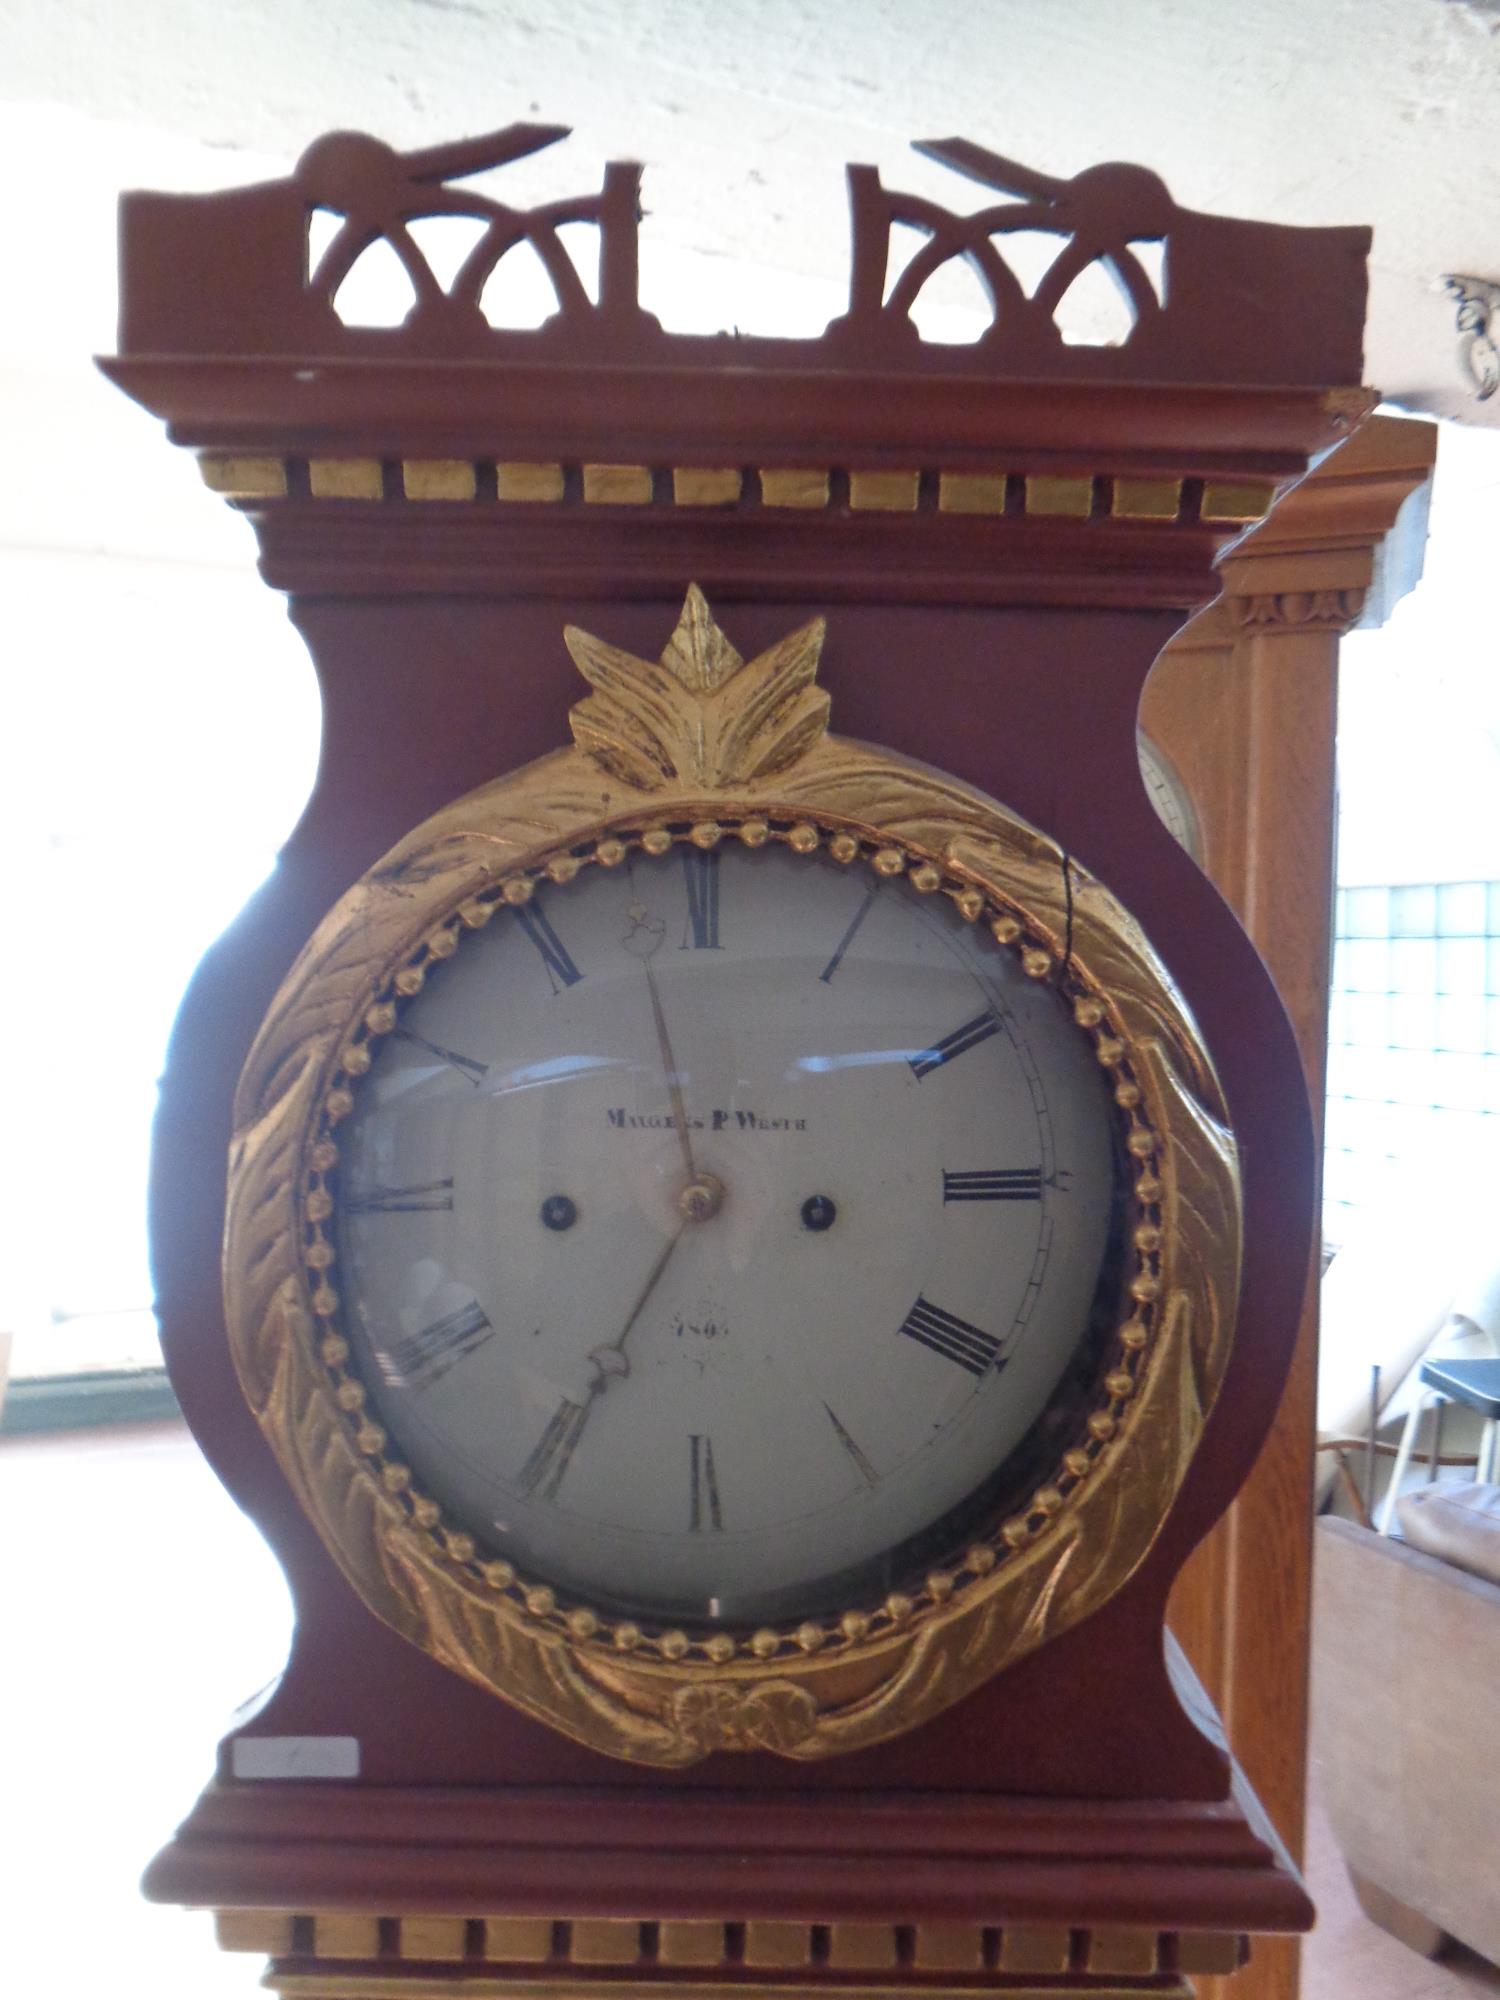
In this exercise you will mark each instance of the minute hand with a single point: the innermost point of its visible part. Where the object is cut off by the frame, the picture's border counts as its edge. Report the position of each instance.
(674, 1082)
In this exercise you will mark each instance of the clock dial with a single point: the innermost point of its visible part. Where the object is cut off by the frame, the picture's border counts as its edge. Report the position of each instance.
(1169, 795)
(716, 1231)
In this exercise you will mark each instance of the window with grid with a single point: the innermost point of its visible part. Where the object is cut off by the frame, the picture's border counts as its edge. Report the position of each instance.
(1414, 1037)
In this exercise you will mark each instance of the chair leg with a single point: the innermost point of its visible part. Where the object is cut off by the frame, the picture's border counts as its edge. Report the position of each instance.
(1408, 1926)
(1403, 1460)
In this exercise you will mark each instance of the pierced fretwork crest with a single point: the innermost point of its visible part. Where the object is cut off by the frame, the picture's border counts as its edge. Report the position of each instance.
(250, 280)
(376, 193)
(1102, 215)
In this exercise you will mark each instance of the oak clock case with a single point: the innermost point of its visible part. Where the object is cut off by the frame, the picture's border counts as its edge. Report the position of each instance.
(732, 1236)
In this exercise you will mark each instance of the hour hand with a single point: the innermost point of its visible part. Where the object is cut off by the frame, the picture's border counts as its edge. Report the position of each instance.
(552, 1453)
(607, 1361)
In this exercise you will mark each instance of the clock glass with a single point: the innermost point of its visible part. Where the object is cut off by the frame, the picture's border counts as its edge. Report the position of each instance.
(719, 1232)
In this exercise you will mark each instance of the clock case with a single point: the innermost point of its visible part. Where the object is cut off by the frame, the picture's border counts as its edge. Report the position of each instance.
(1003, 537)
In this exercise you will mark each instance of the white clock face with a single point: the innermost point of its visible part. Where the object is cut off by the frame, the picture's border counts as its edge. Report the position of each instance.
(713, 1231)
(1169, 796)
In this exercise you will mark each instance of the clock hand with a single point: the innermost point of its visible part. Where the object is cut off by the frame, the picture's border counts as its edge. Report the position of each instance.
(552, 1454)
(674, 1085)
(699, 1201)
(543, 1471)
(611, 1358)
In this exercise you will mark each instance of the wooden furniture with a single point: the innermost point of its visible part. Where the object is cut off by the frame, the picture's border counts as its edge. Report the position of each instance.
(1244, 704)
(1408, 1703)
(1003, 537)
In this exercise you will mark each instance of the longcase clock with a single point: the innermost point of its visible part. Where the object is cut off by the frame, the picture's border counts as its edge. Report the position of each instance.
(738, 1204)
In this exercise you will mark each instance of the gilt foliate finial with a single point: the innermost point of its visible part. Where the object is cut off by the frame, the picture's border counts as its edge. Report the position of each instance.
(700, 715)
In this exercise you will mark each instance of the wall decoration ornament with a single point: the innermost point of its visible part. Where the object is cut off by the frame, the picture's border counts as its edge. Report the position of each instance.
(1478, 354)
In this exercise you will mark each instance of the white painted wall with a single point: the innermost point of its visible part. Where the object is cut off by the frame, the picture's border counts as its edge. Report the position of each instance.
(1419, 699)
(1341, 111)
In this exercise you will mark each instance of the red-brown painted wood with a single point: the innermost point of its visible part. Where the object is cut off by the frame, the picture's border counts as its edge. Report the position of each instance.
(1010, 651)
(227, 274)
(424, 699)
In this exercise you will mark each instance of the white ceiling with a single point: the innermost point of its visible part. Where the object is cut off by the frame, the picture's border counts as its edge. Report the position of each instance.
(1307, 111)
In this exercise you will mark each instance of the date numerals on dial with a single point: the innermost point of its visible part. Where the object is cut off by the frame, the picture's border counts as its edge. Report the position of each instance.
(969, 1347)
(559, 967)
(705, 1514)
(468, 1067)
(552, 1453)
(958, 1043)
(420, 1359)
(994, 1184)
(424, 1198)
(701, 872)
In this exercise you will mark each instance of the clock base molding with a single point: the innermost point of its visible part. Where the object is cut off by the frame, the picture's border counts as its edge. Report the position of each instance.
(714, 1868)
(357, 1955)
(359, 1894)
(344, 1986)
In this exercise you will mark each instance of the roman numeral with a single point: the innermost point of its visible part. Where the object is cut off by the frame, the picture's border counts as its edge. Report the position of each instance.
(702, 875)
(848, 938)
(561, 970)
(465, 1065)
(994, 1184)
(424, 1358)
(867, 1471)
(969, 1036)
(705, 1511)
(552, 1453)
(970, 1346)
(426, 1198)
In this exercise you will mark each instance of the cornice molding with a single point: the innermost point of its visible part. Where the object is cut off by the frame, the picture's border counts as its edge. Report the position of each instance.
(1298, 610)
(1342, 546)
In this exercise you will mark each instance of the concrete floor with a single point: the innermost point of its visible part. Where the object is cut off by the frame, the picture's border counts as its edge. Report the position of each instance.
(118, 1679)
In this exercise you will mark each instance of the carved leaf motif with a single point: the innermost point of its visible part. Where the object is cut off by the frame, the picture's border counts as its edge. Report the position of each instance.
(476, 1634)
(700, 716)
(262, 1282)
(778, 1715)
(911, 808)
(698, 653)
(1202, 1220)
